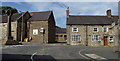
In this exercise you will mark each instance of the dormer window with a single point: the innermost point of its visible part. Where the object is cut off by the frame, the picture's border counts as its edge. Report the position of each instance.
(95, 29)
(74, 29)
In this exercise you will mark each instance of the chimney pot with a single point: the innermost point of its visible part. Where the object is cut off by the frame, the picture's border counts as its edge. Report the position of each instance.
(109, 13)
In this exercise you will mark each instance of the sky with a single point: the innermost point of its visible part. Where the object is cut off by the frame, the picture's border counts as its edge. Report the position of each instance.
(59, 8)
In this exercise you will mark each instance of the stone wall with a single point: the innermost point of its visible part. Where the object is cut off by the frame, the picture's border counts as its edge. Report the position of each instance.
(51, 29)
(36, 26)
(3, 27)
(60, 38)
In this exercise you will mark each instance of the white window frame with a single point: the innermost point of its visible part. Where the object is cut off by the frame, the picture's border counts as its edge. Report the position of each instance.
(76, 38)
(95, 31)
(73, 29)
(112, 39)
(96, 37)
(104, 29)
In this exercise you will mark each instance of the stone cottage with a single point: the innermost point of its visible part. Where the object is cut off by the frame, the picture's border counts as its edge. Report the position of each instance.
(18, 26)
(42, 27)
(92, 30)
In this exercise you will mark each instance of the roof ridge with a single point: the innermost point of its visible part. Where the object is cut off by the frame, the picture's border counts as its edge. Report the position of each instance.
(41, 12)
(92, 15)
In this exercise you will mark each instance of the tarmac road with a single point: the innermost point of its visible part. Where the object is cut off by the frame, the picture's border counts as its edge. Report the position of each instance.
(47, 52)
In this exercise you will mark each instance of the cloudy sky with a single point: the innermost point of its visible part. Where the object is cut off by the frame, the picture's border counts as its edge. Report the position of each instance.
(59, 8)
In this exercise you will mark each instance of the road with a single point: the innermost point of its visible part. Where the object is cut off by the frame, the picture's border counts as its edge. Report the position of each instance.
(56, 52)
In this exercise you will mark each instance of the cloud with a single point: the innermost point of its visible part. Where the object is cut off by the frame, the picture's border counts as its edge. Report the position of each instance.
(76, 8)
(59, 8)
(92, 8)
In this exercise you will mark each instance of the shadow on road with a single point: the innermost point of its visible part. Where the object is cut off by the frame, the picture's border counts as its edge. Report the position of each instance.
(23, 57)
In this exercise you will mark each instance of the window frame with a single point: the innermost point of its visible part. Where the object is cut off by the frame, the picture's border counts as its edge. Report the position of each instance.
(94, 30)
(104, 29)
(112, 38)
(76, 38)
(76, 29)
(96, 37)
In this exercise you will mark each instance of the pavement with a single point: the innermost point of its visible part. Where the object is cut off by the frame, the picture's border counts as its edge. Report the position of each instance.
(37, 52)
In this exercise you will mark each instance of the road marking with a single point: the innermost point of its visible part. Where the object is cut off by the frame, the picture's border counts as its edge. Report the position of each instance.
(94, 56)
(33, 55)
(13, 46)
(83, 55)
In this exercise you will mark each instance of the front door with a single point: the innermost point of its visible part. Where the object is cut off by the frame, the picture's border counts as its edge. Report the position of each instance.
(105, 41)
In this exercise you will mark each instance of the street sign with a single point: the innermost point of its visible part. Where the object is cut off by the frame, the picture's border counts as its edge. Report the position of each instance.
(41, 30)
(35, 31)
(113, 24)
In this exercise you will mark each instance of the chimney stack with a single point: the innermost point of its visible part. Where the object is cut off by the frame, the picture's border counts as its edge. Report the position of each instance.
(67, 12)
(109, 13)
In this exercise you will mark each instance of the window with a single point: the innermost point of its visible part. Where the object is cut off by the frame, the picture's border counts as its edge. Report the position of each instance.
(75, 38)
(74, 29)
(56, 35)
(65, 37)
(96, 38)
(111, 39)
(105, 29)
(95, 29)
(61, 35)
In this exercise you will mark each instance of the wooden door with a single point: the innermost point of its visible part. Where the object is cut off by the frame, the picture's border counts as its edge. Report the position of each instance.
(105, 41)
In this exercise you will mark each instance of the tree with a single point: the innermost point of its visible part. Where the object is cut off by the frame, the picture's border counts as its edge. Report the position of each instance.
(3, 9)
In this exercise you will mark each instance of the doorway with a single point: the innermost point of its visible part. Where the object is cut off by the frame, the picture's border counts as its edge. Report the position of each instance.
(105, 40)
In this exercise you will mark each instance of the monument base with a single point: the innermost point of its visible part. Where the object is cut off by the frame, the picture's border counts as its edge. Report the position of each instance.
(10, 41)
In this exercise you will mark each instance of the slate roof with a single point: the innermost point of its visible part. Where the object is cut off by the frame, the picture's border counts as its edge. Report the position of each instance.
(15, 17)
(90, 20)
(60, 30)
(4, 18)
(37, 16)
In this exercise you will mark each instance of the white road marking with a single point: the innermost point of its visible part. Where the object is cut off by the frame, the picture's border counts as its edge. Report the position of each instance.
(33, 55)
(94, 56)
(83, 55)
(13, 46)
